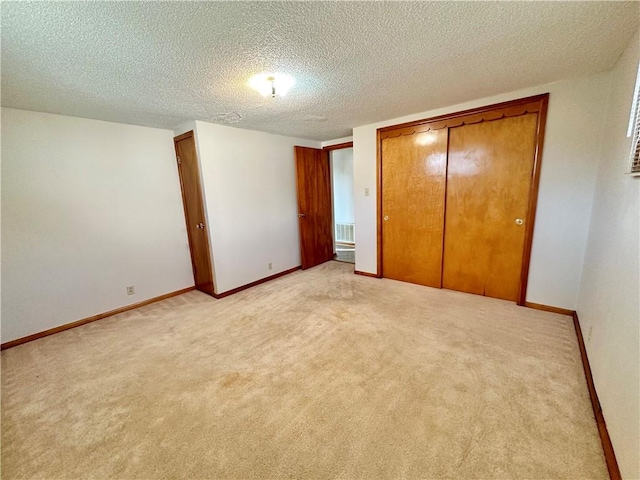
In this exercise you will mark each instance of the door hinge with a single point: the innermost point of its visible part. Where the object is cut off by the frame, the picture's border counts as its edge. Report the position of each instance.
(179, 161)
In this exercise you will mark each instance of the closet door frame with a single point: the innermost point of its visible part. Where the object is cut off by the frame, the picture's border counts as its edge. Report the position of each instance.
(535, 104)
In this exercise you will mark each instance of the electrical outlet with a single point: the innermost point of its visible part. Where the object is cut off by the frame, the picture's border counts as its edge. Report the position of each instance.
(589, 334)
(131, 290)
(270, 265)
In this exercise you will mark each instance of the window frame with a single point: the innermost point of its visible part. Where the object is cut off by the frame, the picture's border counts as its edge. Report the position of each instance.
(633, 130)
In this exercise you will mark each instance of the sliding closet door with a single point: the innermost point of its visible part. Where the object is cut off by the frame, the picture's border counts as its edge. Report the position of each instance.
(413, 188)
(488, 188)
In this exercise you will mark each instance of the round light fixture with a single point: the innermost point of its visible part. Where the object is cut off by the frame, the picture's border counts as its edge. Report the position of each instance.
(271, 84)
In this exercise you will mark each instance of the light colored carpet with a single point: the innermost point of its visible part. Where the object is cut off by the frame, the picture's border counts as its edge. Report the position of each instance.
(319, 374)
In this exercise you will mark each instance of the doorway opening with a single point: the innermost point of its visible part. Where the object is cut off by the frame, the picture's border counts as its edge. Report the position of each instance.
(324, 181)
(344, 240)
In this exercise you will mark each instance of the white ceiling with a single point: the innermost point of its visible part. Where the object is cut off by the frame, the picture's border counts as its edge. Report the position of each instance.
(162, 63)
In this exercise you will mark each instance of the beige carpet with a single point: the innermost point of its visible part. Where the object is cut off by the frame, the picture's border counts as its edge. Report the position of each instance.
(319, 374)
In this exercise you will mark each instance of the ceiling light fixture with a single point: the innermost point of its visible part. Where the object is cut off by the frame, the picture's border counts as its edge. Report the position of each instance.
(271, 84)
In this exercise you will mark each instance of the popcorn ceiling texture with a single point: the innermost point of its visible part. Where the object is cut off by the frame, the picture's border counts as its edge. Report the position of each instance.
(162, 63)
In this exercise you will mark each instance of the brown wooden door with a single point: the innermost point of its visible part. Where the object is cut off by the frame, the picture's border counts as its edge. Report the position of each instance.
(489, 181)
(413, 194)
(314, 206)
(194, 212)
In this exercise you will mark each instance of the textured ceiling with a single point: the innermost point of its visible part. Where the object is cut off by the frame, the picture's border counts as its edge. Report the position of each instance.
(161, 63)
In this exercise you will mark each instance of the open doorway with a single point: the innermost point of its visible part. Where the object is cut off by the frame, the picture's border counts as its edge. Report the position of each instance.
(342, 200)
(324, 183)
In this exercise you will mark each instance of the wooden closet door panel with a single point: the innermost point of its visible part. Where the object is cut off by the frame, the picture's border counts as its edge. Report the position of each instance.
(488, 186)
(413, 189)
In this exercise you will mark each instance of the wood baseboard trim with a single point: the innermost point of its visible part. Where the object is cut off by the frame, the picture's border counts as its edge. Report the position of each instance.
(257, 282)
(93, 318)
(366, 274)
(548, 308)
(607, 446)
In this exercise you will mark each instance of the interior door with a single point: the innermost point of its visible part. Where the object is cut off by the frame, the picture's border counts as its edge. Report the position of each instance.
(194, 212)
(314, 205)
(488, 187)
(413, 195)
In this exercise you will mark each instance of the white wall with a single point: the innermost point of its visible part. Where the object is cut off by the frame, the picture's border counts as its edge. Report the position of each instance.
(250, 188)
(609, 302)
(88, 207)
(569, 163)
(184, 128)
(342, 178)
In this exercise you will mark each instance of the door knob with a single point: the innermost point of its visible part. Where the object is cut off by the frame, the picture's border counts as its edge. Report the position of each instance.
(300, 215)
(519, 221)
(200, 225)
(386, 217)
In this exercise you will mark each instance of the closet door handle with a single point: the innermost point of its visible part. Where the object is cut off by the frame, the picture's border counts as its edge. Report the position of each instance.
(519, 221)
(386, 217)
